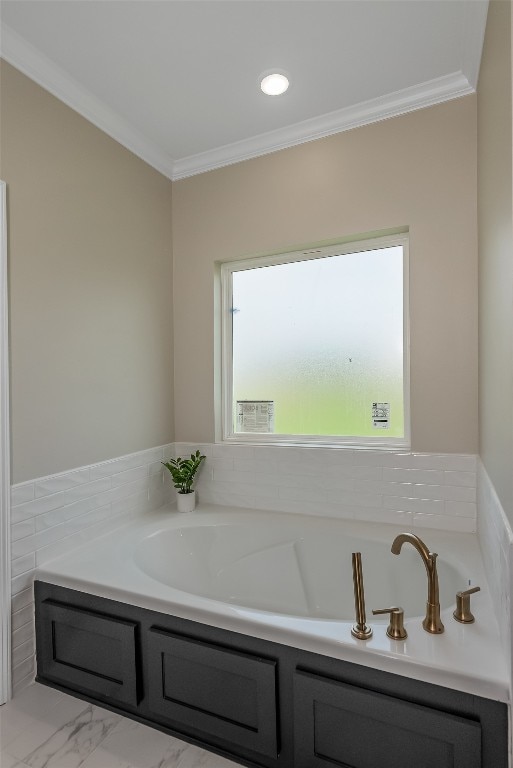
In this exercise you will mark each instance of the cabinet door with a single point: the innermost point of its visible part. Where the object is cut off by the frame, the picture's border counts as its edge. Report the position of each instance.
(90, 652)
(341, 725)
(203, 689)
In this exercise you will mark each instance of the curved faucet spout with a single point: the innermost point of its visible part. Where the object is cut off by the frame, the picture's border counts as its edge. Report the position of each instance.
(432, 622)
(415, 541)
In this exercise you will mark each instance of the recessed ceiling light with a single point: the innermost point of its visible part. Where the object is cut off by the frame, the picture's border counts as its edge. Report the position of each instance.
(274, 84)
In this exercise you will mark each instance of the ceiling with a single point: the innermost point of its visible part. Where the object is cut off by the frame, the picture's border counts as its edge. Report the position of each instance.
(177, 81)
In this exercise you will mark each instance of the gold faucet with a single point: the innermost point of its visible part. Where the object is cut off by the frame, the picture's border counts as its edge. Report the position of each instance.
(432, 622)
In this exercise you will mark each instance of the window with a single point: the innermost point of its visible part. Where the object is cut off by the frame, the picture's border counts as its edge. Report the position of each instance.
(315, 346)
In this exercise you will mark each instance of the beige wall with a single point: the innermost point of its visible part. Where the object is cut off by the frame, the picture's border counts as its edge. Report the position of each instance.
(90, 270)
(419, 171)
(90, 284)
(495, 202)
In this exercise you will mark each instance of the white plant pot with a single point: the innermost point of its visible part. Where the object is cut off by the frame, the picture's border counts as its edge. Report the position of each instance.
(186, 502)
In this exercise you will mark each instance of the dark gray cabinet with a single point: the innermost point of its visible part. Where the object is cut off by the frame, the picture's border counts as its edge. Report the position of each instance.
(259, 703)
(89, 650)
(340, 724)
(223, 693)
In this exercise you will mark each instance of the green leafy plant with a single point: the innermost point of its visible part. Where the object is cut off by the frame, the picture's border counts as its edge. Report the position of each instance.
(183, 471)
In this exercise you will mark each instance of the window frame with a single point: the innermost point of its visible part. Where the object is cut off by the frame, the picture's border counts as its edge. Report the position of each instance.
(226, 303)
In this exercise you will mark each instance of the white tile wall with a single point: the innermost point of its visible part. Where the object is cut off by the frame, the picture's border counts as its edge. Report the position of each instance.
(52, 515)
(496, 542)
(418, 490)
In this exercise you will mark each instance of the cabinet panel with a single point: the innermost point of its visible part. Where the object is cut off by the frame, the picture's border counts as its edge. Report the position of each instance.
(221, 689)
(222, 693)
(340, 724)
(88, 651)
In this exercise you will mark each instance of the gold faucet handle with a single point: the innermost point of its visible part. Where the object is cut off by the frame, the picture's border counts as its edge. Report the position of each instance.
(395, 629)
(463, 614)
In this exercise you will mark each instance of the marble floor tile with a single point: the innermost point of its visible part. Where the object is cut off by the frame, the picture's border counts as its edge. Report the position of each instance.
(68, 744)
(12, 724)
(132, 745)
(38, 729)
(33, 697)
(44, 728)
(6, 761)
(17, 716)
(199, 758)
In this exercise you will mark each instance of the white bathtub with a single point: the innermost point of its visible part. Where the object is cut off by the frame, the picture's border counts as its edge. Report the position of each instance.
(293, 567)
(288, 578)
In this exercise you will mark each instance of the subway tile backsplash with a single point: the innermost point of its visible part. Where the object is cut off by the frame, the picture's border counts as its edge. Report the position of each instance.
(496, 542)
(52, 515)
(414, 489)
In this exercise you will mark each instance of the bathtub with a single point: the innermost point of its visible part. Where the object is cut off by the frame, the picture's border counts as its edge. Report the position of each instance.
(288, 567)
(288, 578)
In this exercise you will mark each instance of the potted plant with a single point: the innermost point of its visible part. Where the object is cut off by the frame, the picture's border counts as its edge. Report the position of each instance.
(183, 472)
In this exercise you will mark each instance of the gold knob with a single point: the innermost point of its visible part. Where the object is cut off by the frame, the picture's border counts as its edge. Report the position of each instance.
(395, 629)
(463, 614)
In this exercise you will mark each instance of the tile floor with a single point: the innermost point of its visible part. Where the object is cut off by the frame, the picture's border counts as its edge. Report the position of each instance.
(43, 728)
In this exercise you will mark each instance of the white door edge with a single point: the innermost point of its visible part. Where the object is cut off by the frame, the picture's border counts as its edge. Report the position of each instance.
(5, 467)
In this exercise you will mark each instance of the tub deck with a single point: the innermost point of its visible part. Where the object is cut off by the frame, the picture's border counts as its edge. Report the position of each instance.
(469, 658)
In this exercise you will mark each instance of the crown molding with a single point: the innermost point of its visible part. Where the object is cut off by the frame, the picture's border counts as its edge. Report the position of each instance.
(392, 105)
(47, 74)
(38, 67)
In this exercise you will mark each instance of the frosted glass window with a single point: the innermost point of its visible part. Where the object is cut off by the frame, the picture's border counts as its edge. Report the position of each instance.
(318, 346)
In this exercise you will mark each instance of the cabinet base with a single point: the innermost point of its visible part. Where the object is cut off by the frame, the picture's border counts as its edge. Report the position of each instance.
(261, 704)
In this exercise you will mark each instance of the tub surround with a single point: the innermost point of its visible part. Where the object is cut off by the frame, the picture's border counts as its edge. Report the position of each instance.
(496, 542)
(54, 515)
(416, 490)
(454, 660)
